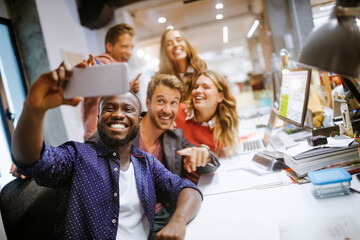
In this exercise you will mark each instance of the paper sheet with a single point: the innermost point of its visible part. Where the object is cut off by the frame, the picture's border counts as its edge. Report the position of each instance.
(304, 146)
(231, 175)
(330, 228)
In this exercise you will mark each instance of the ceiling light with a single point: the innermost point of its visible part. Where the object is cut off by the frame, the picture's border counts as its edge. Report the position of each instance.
(149, 65)
(225, 34)
(140, 53)
(252, 29)
(219, 6)
(161, 20)
(327, 7)
(219, 16)
(170, 27)
(147, 58)
(155, 61)
(321, 20)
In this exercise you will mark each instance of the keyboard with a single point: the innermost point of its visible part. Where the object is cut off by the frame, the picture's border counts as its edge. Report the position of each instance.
(252, 145)
(281, 141)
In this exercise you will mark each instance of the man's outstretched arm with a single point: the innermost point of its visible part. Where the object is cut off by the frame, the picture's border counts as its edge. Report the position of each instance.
(187, 206)
(45, 93)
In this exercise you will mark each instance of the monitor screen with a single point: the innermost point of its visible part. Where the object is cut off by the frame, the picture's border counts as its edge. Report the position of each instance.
(294, 94)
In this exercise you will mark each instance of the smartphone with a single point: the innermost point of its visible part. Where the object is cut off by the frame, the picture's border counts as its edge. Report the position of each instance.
(99, 80)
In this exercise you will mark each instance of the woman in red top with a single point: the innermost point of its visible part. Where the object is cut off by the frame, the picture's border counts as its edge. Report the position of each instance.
(209, 117)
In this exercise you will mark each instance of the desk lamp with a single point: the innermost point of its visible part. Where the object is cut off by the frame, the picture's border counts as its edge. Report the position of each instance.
(335, 46)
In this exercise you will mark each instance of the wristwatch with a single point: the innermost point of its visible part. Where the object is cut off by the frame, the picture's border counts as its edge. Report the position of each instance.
(205, 146)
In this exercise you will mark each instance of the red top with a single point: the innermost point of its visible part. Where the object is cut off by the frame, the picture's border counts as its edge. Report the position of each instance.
(195, 132)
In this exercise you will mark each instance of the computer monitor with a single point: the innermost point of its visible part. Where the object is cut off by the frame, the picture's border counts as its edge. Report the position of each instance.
(294, 95)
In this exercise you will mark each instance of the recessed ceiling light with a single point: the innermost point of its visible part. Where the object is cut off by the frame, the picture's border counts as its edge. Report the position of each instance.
(161, 20)
(225, 34)
(170, 27)
(219, 16)
(219, 6)
(155, 61)
(147, 58)
(140, 53)
(252, 29)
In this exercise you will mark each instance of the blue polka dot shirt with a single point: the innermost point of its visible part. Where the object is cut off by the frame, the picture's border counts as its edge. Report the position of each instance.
(89, 175)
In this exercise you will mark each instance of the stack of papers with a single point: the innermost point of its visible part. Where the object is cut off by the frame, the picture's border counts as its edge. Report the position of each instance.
(304, 158)
(305, 149)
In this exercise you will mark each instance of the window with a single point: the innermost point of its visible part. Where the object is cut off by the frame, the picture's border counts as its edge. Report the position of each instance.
(12, 92)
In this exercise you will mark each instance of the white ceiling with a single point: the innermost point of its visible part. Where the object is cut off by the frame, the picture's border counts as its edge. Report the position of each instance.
(197, 15)
(197, 20)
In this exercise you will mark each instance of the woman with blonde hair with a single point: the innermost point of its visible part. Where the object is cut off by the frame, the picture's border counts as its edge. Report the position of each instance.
(209, 117)
(179, 58)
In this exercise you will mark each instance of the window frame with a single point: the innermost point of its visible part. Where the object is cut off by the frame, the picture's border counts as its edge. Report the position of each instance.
(4, 99)
(8, 123)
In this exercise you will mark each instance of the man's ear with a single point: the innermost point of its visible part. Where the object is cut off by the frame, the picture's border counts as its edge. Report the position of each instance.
(147, 103)
(109, 47)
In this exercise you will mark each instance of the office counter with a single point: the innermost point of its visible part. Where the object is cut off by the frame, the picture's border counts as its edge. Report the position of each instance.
(239, 204)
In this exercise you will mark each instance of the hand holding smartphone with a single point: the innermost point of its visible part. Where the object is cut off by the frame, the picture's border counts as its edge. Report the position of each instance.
(99, 80)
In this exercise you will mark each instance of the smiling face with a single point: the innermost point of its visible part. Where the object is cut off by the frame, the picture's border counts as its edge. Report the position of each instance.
(121, 51)
(205, 95)
(175, 46)
(119, 119)
(163, 106)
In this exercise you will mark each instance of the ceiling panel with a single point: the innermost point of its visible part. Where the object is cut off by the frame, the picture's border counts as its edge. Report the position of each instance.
(194, 15)
(197, 20)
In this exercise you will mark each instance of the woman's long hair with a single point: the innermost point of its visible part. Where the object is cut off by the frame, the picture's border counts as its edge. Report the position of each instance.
(192, 59)
(226, 117)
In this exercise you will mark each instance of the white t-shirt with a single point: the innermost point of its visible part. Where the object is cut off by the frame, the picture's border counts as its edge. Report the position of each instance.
(133, 223)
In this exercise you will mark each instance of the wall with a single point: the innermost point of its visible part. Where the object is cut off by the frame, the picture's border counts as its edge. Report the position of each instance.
(62, 31)
(135, 65)
(3, 10)
(290, 22)
(34, 59)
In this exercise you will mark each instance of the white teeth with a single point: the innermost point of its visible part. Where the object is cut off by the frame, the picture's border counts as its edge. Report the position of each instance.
(118, 126)
(178, 51)
(165, 118)
(199, 98)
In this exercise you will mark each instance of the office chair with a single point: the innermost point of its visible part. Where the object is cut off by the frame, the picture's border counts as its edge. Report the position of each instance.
(29, 210)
